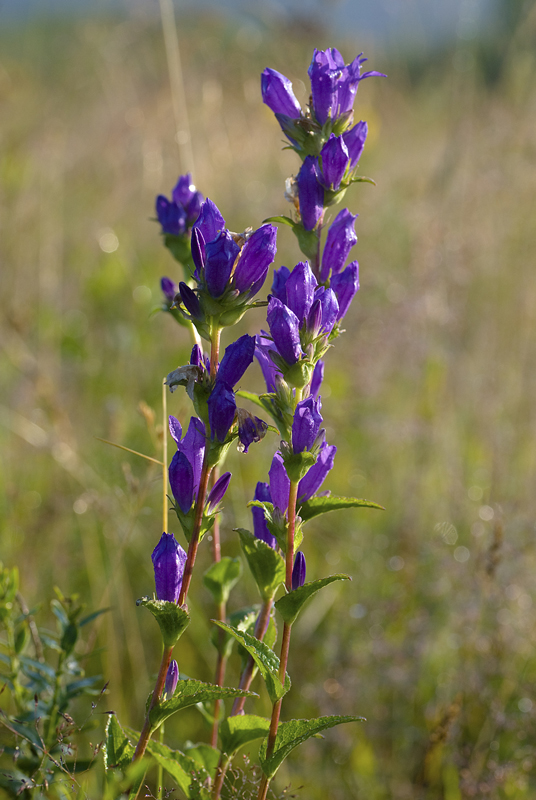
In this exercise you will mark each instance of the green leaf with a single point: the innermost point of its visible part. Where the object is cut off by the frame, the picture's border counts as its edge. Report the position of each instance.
(179, 765)
(189, 693)
(91, 617)
(266, 660)
(221, 576)
(205, 756)
(291, 734)
(290, 605)
(282, 219)
(237, 731)
(26, 731)
(321, 505)
(267, 566)
(172, 619)
(118, 751)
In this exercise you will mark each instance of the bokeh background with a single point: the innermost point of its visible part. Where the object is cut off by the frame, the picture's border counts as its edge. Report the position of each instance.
(429, 395)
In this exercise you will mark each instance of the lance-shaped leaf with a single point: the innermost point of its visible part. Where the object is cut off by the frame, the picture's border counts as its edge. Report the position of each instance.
(237, 731)
(265, 659)
(291, 734)
(172, 619)
(221, 576)
(321, 505)
(267, 566)
(179, 765)
(118, 751)
(189, 693)
(290, 605)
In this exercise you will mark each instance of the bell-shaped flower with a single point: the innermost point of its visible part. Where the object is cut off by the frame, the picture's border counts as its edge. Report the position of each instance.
(278, 95)
(306, 424)
(318, 377)
(255, 259)
(298, 571)
(217, 492)
(181, 480)
(330, 310)
(285, 330)
(281, 276)
(279, 483)
(221, 410)
(170, 216)
(220, 255)
(335, 159)
(349, 81)
(169, 289)
(340, 240)
(345, 285)
(168, 561)
(210, 221)
(250, 429)
(184, 194)
(238, 356)
(300, 290)
(260, 528)
(315, 477)
(179, 213)
(172, 678)
(310, 194)
(269, 369)
(192, 445)
(354, 139)
(189, 300)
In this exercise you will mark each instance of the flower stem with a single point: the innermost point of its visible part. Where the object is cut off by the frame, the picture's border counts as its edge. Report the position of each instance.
(285, 643)
(157, 691)
(214, 350)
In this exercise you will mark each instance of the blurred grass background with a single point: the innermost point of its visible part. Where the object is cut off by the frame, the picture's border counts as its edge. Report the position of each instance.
(429, 396)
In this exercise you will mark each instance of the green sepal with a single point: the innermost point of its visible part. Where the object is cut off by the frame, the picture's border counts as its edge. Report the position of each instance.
(277, 524)
(290, 605)
(293, 733)
(181, 250)
(284, 220)
(321, 505)
(235, 732)
(269, 404)
(362, 179)
(267, 566)
(266, 660)
(307, 241)
(297, 465)
(299, 374)
(221, 576)
(189, 693)
(118, 751)
(172, 619)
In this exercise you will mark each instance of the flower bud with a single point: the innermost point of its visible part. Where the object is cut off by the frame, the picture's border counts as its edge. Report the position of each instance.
(354, 139)
(220, 257)
(278, 286)
(318, 377)
(172, 678)
(345, 285)
(169, 289)
(310, 194)
(238, 356)
(316, 476)
(306, 424)
(181, 481)
(279, 483)
(300, 288)
(285, 329)
(255, 258)
(340, 240)
(168, 561)
(218, 490)
(277, 94)
(298, 571)
(335, 159)
(209, 222)
(190, 300)
(221, 410)
(170, 216)
(260, 528)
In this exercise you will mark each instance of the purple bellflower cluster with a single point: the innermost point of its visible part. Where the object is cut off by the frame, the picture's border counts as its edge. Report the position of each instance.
(304, 312)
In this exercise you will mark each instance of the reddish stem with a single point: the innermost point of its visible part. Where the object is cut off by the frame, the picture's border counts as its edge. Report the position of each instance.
(158, 689)
(261, 626)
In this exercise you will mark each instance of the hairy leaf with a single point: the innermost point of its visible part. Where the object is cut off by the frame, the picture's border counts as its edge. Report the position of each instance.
(321, 505)
(221, 576)
(290, 605)
(189, 693)
(172, 619)
(237, 731)
(267, 566)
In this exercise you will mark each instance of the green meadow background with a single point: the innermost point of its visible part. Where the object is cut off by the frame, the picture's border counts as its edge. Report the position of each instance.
(429, 396)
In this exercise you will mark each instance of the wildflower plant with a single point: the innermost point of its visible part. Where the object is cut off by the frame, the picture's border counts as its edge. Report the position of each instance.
(223, 275)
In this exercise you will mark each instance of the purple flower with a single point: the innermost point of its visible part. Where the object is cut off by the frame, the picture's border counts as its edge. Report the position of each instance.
(310, 194)
(316, 476)
(181, 480)
(306, 424)
(285, 330)
(221, 410)
(198, 252)
(318, 377)
(260, 528)
(354, 139)
(269, 369)
(220, 255)
(210, 221)
(330, 310)
(172, 678)
(345, 285)
(238, 356)
(189, 300)
(250, 429)
(169, 288)
(192, 445)
(255, 258)
(170, 216)
(300, 289)
(280, 280)
(168, 560)
(335, 159)
(298, 571)
(184, 194)
(277, 94)
(333, 84)
(218, 490)
(340, 240)
(279, 483)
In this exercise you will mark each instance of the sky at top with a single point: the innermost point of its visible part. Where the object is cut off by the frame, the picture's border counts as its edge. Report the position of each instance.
(418, 21)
